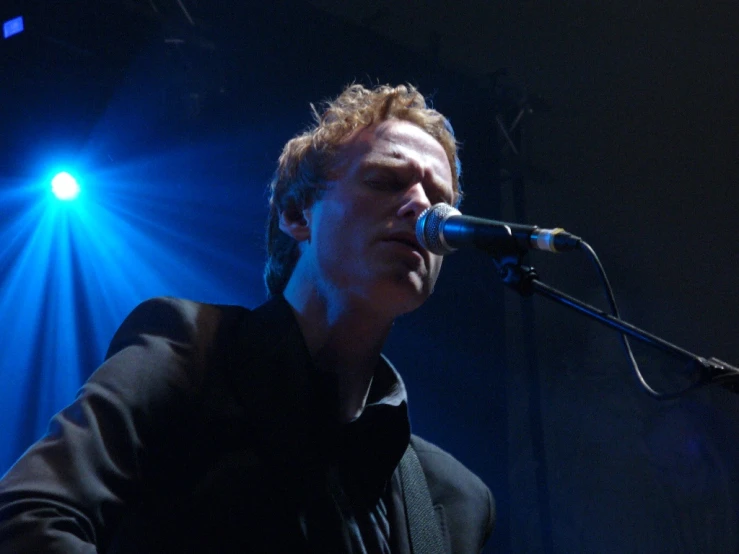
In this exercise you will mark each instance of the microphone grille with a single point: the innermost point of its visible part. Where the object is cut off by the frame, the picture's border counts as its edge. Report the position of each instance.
(428, 228)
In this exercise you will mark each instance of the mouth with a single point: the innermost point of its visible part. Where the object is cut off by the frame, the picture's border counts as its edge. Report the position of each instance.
(409, 240)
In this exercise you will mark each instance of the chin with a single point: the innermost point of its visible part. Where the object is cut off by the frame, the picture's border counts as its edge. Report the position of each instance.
(402, 298)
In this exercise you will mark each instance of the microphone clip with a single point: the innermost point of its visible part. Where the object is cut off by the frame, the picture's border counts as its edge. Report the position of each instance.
(514, 274)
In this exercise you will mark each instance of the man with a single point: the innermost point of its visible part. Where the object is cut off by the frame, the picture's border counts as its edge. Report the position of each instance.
(282, 429)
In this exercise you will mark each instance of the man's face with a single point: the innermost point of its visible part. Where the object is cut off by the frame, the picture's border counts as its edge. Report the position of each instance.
(362, 230)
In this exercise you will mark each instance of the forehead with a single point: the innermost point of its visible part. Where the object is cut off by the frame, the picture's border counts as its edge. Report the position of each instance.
(399, 141)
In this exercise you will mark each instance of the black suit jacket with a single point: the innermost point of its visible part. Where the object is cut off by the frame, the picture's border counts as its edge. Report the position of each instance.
(200, 433)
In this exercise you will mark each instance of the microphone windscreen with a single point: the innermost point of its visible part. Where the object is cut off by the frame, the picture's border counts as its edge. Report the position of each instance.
(428, 228)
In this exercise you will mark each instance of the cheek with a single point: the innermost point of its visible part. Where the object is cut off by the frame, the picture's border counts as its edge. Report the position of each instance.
(340, 235)
(435, 263)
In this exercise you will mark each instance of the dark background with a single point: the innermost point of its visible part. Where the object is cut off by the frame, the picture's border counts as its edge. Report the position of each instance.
(627, 137)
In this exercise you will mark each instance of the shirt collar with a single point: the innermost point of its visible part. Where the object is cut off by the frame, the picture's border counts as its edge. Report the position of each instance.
(293, 405)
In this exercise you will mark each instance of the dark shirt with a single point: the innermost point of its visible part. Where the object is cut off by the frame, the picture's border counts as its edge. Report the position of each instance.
(364, 453)
(354, 462)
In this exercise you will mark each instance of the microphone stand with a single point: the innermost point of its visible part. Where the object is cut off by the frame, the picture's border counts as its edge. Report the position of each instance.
(524, 280)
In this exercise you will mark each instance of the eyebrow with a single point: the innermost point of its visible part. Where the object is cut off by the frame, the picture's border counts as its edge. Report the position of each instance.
(399, 162)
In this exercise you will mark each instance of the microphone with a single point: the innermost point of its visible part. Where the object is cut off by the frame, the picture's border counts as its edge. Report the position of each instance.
(442, 229)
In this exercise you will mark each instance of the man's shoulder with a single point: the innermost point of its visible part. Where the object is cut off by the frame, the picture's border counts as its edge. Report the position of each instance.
(468, 504)
(177, 319)
(166, 309)
(443, 467)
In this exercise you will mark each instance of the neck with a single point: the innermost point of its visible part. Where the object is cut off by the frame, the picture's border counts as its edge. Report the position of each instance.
(343, 337)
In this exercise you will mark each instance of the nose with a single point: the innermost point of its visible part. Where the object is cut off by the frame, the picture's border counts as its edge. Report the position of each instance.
(414, 202)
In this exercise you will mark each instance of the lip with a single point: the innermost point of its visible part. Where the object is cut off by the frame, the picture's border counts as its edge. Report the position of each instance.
(409, 240)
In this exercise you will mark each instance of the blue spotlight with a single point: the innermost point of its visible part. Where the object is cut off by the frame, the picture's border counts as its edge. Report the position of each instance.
(64, 186)
(13, 27)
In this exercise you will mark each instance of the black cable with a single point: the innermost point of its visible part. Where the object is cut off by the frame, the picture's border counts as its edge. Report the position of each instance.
(585, 247)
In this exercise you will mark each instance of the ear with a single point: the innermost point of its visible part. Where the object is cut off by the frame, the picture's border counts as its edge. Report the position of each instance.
(295, 223)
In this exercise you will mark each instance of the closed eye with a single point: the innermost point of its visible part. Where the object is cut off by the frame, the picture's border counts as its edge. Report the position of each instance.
(389, 184)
